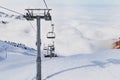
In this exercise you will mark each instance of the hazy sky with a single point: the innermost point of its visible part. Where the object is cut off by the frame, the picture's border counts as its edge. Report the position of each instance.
(22, 4)
(27, 3)
(86, 2)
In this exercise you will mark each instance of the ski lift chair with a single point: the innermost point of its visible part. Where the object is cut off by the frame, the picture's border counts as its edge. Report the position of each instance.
(51, 35)
(51, 54)
(45, 48)
(46, 54)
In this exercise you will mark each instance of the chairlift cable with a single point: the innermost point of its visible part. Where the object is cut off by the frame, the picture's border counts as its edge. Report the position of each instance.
(17, 13)
(52, 23)
(31, 25)
(52, 28)
(10, 10)
(45, 4)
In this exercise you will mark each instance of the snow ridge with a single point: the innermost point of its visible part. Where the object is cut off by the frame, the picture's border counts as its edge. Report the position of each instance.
(7, 46)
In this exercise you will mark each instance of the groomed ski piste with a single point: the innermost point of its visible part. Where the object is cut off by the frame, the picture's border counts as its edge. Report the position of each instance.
(20, 64)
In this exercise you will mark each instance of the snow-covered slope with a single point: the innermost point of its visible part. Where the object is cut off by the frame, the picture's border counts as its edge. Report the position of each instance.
(19, 65)
(12, 47)
(85, 66)
(14, 59)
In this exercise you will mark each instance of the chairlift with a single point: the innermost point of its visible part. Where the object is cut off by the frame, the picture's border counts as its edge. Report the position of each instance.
(51, 35)
(46, 54)
(45, 48)
(51, 47)
(52, 24)
(51, 52)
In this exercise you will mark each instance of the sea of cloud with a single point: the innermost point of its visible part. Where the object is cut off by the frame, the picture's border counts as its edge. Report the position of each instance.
(79, 29)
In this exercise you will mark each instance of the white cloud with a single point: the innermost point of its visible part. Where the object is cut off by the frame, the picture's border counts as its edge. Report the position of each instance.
(75, 25)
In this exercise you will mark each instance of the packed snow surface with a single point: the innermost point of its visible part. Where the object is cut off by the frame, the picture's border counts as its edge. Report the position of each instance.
(20, 64)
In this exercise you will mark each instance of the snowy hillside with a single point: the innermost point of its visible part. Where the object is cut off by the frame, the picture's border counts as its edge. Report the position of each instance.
(20, 64)
(7, 46)
(102, 65)
(12, 57)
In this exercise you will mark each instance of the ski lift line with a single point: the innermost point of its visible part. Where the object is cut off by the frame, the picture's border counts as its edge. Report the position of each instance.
(52, 28)
(51, 35)
(45, 4)
(32, 26)
(51, 22)
(17, 13)
(11, 10)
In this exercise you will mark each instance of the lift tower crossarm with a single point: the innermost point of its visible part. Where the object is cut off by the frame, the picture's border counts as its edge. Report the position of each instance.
(39, 9)
(30, 16)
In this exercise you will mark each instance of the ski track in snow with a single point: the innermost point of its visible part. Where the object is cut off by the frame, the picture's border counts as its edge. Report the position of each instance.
(23, 60)
(95, 63)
